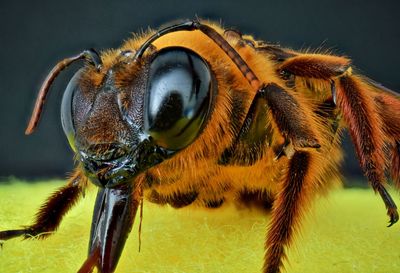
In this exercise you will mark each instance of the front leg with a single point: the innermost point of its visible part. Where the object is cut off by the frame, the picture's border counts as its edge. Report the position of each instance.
(50, 214)
(287, 209)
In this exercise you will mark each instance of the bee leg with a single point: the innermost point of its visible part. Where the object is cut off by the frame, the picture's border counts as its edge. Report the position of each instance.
(388, 105)
(359, 111)
(49, 216)
(395, 170)
(361, 115)
(255, 132)
(315, 66)
(287, 209)
(253, 135)
(293, 125)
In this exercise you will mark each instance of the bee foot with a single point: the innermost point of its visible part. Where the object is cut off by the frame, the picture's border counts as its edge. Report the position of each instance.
(394, 216)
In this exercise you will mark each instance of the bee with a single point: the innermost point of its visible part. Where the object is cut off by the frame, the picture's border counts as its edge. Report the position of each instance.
(195, 114)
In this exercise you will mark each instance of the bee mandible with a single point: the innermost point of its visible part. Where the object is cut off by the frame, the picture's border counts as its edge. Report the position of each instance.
(194, 114)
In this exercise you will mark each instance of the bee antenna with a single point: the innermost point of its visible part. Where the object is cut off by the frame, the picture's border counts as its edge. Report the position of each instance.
(213, 35)
(187, 25)
(90, 55)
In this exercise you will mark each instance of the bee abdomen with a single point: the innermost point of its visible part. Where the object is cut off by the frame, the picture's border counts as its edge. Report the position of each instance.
(175, 200)
(257, 198)
(214, 203)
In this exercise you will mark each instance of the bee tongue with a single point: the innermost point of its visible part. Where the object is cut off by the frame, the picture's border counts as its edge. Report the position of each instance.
(113, 217)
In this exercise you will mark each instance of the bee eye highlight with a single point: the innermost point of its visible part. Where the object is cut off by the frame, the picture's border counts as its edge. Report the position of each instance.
(67, 115)
(179, 97)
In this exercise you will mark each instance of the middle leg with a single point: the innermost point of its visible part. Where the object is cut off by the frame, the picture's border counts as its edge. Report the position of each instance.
(291, 202)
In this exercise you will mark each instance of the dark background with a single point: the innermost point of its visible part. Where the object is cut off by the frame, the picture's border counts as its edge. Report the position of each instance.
(34, 36)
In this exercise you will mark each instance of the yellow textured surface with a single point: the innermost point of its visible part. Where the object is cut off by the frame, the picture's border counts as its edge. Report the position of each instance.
(346, 233)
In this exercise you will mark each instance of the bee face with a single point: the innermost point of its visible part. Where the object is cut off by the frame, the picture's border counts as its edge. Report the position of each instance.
(120, 130)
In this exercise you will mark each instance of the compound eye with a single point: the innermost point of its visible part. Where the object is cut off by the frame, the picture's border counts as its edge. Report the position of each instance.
(67, 115)
(179, 97)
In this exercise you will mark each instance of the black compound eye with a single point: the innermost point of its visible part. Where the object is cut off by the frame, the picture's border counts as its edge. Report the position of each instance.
(179, 97)
(67, 115)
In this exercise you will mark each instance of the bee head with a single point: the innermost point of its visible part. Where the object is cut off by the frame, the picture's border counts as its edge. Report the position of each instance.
(142, 112)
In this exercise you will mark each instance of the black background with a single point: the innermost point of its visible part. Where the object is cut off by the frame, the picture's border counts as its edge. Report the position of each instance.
(34, 35)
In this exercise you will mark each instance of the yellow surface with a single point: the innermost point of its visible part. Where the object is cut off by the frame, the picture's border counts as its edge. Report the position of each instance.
(346, 233)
